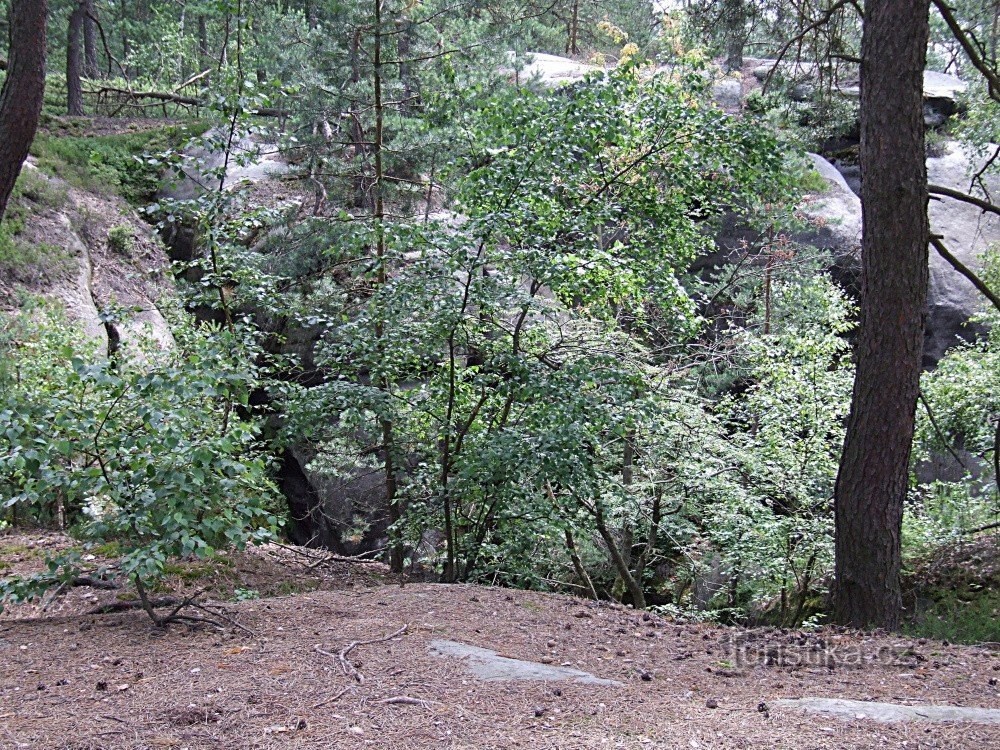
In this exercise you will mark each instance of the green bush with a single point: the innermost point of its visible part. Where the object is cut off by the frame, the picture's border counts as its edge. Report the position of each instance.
(147, 453)
(121, 239)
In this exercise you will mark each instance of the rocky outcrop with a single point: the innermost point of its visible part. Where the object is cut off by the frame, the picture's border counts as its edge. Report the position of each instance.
(90, 274)
(834, 215)
(252, 159)
(967, 233)
(942, 92)
(547, 70)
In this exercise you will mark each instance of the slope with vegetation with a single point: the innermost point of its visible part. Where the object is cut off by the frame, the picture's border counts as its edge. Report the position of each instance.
(492, 327)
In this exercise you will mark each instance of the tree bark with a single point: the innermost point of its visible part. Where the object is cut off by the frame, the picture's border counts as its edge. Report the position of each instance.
(74, 61)
(91, 69)
(202, 40)
(734, 19)
(874, 467)
(21, 97)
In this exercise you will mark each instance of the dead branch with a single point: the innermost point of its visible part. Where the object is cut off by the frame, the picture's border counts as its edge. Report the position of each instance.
(166, 97)
(958, 195)
(334, 699)
(984, 527)
(126, 606)
(405, 700)
(349, 669)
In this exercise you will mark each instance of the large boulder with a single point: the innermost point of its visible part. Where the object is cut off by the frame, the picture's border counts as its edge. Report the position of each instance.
(834, 214)
(549, 71)
(942, 91)
(252, 159)
(967, 232)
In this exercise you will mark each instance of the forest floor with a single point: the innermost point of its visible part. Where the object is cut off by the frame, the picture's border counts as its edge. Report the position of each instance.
(277, 680)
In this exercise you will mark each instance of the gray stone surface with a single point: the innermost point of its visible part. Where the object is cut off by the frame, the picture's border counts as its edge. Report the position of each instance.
(967, 233)
(251, 160)
(550, 70)
(728, 93)
(891, 713)
(489, 666)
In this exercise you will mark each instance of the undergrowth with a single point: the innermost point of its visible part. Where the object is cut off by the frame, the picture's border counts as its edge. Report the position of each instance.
(32, 194)
(110, 164)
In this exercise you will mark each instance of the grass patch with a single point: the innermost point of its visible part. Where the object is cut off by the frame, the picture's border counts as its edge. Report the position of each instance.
(958, 620)
(811, 181)
(110, 164)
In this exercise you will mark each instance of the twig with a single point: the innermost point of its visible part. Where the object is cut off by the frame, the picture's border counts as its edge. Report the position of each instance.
(349, 669)
(334, 699)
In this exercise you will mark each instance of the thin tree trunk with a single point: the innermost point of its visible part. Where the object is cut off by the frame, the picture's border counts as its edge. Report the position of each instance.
(202, 40)
(581, 572)
(74, 90)
(874, 467)
(23, 89)
(91, 68)
(391, 493)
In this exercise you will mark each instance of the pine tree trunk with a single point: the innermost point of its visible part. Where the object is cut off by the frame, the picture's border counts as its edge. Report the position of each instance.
(21, 97)
(874, 468)
(74, 89)
(91, 69)
(734, 20)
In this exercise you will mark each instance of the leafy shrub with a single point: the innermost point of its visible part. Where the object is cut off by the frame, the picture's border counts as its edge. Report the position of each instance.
(148, 453)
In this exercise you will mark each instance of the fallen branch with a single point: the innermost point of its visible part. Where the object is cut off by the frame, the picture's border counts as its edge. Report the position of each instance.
(984, 527)
(126, 606)
(405, 700)
(94, 583)
(349, 669)
(334, 699)
(165, 97)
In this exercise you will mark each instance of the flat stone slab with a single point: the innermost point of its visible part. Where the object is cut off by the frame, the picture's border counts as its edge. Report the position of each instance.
(490, 666)
(891, 713)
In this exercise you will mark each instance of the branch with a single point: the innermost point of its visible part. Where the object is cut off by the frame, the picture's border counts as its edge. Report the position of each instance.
(992, 79)
(984, 527)
(345, 664)
(168, 98)
(940, 433)
(958, 195)
(965, 271)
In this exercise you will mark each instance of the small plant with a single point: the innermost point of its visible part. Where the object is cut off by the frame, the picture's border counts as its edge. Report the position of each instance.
(121, 239)
(245, 595)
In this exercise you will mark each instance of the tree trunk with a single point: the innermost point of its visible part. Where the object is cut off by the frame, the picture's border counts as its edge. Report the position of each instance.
(874, 467)
(74, 90)
(378, 205)
(21, 97)
(734, 19)
(202, 40)
(91, 68)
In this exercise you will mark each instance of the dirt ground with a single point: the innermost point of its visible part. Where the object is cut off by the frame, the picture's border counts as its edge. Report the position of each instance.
(116, 681)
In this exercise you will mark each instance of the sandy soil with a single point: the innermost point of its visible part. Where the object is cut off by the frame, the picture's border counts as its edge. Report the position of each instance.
(116, 681)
